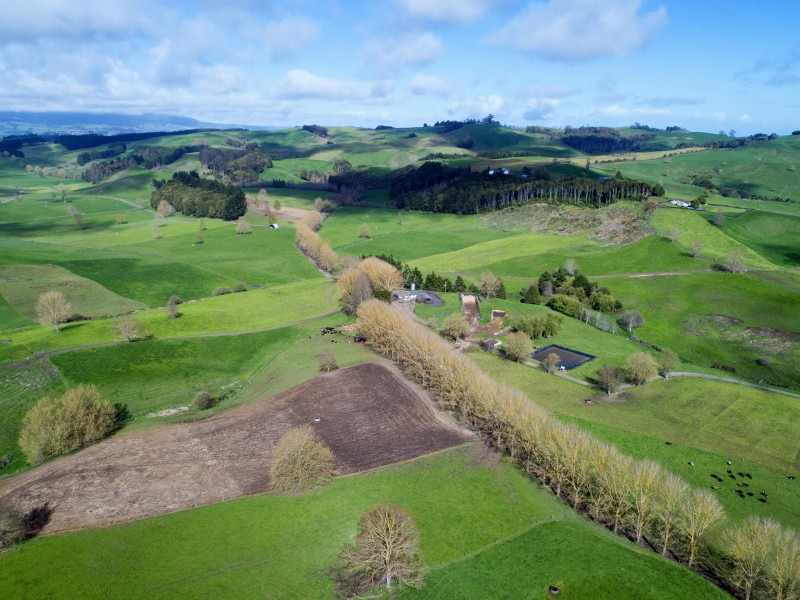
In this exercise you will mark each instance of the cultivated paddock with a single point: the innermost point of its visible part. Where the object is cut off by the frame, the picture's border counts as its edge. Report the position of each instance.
(369, 416)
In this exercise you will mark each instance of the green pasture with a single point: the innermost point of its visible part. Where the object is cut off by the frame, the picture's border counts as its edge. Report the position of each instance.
(776, 237)
(717, 244)
(21, 286)
(748, 204)
(10, 317)
(705, 422)
(128, 260)
(20, 388)
(763, 168)
(710, 317)
(417, 235)
(482, 256)
(564, 555)
(469, 507)
(238, 312)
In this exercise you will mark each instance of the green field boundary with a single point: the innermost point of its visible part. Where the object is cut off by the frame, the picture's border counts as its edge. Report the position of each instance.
(48, 353)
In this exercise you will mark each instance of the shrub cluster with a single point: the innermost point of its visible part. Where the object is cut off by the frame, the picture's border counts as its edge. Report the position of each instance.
(56, 426)
(633, 497)
(300, 461)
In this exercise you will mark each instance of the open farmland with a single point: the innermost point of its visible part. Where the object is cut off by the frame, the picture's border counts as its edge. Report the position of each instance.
(369, 416)
(486, 530)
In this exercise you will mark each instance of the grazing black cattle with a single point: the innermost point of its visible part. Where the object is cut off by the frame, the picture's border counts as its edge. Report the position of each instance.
(748, 475)
(762, 499)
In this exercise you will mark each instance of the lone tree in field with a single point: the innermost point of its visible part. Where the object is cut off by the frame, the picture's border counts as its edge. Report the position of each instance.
(52, 308)
(243, 227)
(734, 261)
(640, 367)
(300, 461)
(364, 232)
(697, 248)
(455, 326)
(56, 426)
(551, 362)
(327, 361)
(129, 328)
(667, 362)
(518, 346)
(609, 378)
(719, 219)
(384, 553)
(488, 284)
(631, 320)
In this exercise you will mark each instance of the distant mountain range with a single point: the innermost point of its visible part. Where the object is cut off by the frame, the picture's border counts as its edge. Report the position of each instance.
(16, 123)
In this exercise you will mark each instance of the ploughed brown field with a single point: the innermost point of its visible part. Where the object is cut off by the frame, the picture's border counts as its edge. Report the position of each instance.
(369, 416)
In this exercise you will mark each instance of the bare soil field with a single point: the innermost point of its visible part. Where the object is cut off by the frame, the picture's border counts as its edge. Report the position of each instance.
(369, 416)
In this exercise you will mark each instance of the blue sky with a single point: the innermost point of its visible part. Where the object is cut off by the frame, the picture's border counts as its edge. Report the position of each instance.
(705, 65)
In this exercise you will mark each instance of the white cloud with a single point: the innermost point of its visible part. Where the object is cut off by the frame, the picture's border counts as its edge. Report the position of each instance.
(477, 107)
(745, 118)
(412, 49)
(299, 83)
(429, 85)
(446, 11)
(290, 34)
(27, 20)
(541, 109)
(575, 30)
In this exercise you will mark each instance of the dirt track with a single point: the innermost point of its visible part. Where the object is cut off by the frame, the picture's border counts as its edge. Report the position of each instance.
(369, 416)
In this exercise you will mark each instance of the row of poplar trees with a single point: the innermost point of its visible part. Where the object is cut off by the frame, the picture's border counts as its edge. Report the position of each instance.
(637, 498)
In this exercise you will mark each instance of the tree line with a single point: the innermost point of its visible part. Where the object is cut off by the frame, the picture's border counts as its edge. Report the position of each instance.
(192, 195)
(636, 498)
(437, 188)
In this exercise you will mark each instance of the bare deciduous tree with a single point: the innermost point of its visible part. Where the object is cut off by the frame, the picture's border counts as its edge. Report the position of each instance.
(697, 248)
(243, 227)
(551, 362)
(364, 232)
(701, 511)
(749, 545)
(672, 492)
(609, 378)
(783, 571)
(129, 328)
(384, 553)
(165, 209)
(327, 361)
(488, 284)
(52, 308)
(734, 261)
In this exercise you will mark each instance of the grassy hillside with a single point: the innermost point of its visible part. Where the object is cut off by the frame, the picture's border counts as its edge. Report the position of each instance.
(472, 511)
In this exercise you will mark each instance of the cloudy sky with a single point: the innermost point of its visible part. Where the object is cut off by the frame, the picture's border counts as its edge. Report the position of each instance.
(702, 64)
